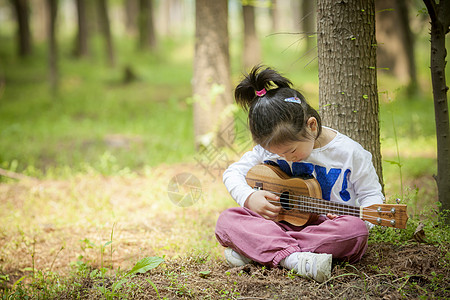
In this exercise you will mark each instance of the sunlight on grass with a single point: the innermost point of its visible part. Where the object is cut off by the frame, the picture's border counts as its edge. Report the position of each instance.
(103, 152)
(80, 213)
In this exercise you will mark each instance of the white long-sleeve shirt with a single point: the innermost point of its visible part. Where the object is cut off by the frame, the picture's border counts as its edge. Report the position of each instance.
(342, 167)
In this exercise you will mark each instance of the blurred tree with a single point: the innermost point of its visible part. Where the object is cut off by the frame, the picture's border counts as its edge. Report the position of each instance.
(105, 27)
(440, 26)
(252, 46)
(212, 78)
(308, 22)
(22, 11)
(81, 45)
(147, 36)
(274, 16)
(39, 21)
(395, 49)
(131, 15)
(52, 46)
(348, 95)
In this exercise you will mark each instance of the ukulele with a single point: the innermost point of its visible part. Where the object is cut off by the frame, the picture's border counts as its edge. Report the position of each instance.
(301, 202)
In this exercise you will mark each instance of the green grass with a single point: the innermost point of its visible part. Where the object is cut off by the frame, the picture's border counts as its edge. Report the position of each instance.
(94, 114)
(95, 125)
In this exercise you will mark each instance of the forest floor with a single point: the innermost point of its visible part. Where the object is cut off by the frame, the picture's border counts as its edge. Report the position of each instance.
(386, 272)
(76, 238)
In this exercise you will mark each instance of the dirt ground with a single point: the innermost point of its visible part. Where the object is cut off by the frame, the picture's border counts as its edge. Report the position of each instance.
(412, 271)
(386, 272)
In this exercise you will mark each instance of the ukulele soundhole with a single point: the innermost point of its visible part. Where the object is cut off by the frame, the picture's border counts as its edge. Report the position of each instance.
(284, 200)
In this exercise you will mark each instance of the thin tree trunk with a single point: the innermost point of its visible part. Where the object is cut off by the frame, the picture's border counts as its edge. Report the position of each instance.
(252, 47)
(212, 78)
(82, 47)
(348, 95)
(151, 26)
(53, 49)
(308, 22)
(21, 8)
(408, 42)
(106, 30)
(274, 16)
(131, 15)
(147, 37)
(439, 14)
(395, 51)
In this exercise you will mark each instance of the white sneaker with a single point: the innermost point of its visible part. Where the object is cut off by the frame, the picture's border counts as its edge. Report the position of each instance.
(316, 266)
(234, 259)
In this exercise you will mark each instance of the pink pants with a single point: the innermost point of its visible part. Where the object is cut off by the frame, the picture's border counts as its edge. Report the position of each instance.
(269, 242)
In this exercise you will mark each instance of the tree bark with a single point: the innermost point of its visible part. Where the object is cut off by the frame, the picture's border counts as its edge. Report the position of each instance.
(212, 78)
(52, 46)
(105, 27)
(348, 97)
(252, 47)
(439, 28)
(82, 46)
(21, 8)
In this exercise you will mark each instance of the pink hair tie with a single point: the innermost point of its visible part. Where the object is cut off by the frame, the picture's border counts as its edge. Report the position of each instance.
(261, 92)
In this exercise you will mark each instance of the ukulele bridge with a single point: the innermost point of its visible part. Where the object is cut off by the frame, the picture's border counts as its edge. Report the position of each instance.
(258, 186)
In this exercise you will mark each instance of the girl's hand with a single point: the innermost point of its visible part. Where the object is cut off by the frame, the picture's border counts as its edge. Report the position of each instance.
(259, 203)
(331, 216)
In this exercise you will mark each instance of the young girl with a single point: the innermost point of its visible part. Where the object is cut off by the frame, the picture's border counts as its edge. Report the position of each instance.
(288, 133)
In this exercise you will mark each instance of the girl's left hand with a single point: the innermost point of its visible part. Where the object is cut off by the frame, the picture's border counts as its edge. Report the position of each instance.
(331, 216)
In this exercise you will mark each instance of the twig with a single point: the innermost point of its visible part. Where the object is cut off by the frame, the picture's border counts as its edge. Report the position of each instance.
(14, 175)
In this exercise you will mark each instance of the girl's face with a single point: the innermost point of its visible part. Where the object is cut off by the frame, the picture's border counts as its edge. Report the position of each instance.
(295, 151)
(298, 150)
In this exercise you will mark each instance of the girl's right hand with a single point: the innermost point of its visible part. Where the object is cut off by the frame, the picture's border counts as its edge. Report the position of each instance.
(259, 202)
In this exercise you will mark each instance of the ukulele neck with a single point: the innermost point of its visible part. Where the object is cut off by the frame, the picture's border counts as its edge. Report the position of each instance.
(323, 207)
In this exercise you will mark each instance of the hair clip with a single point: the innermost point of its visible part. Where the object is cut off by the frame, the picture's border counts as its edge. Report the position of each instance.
(293, 100)
(261, 92)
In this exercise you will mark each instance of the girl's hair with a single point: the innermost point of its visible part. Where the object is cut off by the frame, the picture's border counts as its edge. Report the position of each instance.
(273, 119)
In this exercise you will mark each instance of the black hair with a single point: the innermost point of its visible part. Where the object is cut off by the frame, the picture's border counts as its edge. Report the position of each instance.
(272, 120)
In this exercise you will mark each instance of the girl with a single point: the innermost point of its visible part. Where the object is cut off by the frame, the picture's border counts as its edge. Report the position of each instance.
(288, 133)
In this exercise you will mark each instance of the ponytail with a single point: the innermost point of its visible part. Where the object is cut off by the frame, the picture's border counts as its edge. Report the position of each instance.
(256, 84)
(274, 117)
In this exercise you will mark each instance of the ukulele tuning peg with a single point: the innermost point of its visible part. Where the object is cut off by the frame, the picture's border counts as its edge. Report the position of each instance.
(398, 200)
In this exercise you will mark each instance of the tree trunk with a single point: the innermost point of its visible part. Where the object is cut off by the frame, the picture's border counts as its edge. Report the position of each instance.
(252, 47)
(105, 27)
(131, 15)
(82, 47)
(274, 16)
(348, 97)
(21, 8)
(408, 42)
(395, 51)
(52, 45)
(147, 37)
(307, 21)
(439, 28)
(212, 79)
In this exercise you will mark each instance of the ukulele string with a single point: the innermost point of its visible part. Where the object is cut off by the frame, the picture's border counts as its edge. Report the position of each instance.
(299, 205)
(304, 208)
(300, 201)
(308, 208)
(324, 204)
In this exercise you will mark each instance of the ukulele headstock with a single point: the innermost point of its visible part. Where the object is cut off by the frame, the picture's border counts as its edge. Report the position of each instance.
(390, 215)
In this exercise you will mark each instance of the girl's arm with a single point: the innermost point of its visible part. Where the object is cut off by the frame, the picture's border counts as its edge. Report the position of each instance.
(234, 175)
(245, 196)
